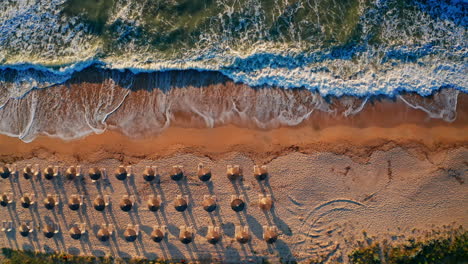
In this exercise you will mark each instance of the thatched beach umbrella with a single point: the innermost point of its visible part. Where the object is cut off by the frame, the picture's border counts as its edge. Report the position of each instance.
(185, 236)
(213, 236)
(266, 203)
(270, 235)
(24, 230)
(204, 174)
(121, 173)
(75, 233)
(209, 204)
(4, 172)
(157, 235)
(103, 234)
(74, 203)
(177, 174)
(49, 173)
(49, 202)
(153, 204)
(130, 235)
(49, 231)
(99, 204)
(243, 236)
(260, 172)
(126, 204)
(233, 172)
(237, 204)
(94, 174)
(26, 201)
(4, 200)
(28, 173)
(71, 173)
(180, 204)
(149, 174)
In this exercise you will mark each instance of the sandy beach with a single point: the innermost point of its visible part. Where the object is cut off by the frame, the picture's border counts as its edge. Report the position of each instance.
(389, 171)
(246, 131)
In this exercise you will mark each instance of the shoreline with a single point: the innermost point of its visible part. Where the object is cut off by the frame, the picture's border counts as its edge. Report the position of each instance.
(381, 125)
(261, 146)
(384, 171)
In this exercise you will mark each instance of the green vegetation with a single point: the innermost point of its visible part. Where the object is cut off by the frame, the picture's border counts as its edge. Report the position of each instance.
(11, 256)
(441, 248)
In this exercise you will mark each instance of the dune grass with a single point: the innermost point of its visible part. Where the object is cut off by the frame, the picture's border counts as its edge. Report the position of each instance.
(450, 247)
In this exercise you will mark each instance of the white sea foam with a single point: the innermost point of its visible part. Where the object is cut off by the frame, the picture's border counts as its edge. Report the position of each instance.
(420, 50)
(140, 108)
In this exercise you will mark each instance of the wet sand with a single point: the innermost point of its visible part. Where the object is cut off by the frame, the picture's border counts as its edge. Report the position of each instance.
(379, 126)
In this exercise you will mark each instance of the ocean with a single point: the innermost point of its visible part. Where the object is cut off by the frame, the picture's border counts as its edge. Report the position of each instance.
(68, 67)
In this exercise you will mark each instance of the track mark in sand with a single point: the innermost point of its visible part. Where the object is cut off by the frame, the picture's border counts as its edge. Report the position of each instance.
(319, 233)
(389, 170)
(294, 201)
(369, 197)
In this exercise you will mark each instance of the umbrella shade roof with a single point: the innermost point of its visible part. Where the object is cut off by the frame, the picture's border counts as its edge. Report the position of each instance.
(180, 204)
(157, 235)
(4, 200)
(94, 174)
(49, 231)
(120, 173)
(24, 230)
(153, 204)
(149, 174)
(26, 201)
(177, 174)
(49, 173)
(74, 203)
(270, 236)
(130, 235)
(213, 237)
(204, 174)
(126, 205)
(243, 237)
(99, 204)
(103, 234)
(4, 172)
(209, 204)
(266, 203)
(261, 174)
(27, 173)
(75, 233)
(49, 203)
(70, 173)
(186, 237)
(237, 205)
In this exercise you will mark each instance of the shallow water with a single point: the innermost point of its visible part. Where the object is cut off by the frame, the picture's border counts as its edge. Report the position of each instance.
(145, 104)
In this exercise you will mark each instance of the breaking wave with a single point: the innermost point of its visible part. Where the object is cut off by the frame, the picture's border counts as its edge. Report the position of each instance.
(355, 50)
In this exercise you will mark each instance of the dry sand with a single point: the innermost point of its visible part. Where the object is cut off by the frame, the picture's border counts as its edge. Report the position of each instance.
(323, 202)
(330, 180)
